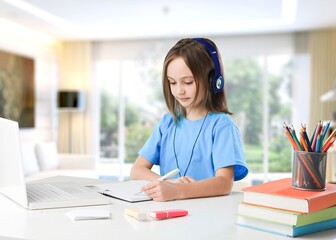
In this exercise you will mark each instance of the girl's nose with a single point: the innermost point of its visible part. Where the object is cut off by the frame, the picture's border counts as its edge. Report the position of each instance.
(180, 89)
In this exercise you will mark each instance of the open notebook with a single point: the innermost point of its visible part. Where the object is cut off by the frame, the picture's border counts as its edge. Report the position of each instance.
(129, 191)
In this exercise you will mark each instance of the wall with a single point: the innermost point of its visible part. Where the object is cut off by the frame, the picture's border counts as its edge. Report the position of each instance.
(25, 43)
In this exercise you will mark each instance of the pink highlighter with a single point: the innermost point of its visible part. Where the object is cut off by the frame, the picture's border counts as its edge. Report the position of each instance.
(164, 214)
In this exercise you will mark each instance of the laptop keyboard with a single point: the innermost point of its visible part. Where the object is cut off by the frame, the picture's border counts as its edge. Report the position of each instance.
(47, 193)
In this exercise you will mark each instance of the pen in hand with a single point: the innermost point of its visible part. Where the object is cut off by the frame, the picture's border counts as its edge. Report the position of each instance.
(165, 177)
(169, 175)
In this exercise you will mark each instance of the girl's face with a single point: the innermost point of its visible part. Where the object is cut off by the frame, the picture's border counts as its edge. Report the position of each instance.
(183, 85)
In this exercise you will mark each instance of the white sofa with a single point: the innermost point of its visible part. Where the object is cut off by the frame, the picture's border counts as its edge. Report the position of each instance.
(41, 160)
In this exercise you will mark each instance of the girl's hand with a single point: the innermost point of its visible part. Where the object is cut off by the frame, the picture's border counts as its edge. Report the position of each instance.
(161, 190)
(166, 190)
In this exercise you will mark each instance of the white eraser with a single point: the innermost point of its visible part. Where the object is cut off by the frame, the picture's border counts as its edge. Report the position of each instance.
(88, 214)
(135, 213)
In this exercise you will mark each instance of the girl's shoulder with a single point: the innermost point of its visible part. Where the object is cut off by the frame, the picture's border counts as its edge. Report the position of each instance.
(167, 117)
(221, 119)
(166, 121)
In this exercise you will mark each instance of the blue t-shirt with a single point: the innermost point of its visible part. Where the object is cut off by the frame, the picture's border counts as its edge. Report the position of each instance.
(218, 145)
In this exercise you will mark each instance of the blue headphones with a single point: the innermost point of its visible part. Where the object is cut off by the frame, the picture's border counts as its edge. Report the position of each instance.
(216, 78)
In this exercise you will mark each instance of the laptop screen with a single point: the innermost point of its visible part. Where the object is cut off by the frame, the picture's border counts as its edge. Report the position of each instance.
(12, 183)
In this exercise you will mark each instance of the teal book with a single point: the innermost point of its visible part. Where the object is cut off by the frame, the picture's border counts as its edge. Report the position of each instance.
(285, 217)
(285, 230)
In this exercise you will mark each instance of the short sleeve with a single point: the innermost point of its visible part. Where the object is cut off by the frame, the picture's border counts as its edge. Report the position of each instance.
(228, 149)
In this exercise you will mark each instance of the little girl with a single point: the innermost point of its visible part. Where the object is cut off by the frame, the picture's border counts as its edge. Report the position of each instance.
(198, 137)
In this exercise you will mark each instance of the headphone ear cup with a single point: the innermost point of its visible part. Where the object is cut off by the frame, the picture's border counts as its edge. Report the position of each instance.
(216, 78)
(216, 82)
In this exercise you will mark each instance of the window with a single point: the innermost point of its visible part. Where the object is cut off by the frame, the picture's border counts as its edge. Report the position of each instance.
(259, 89)
(259, 95)
(131, 104)
(108, 76)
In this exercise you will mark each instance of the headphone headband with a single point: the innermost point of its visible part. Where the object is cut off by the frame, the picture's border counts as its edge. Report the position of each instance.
(217, 80)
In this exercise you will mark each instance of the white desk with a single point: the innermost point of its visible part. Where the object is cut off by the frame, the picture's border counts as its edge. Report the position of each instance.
(209, 218)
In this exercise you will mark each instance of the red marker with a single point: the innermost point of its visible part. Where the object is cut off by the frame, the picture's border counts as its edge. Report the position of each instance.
(164, 214)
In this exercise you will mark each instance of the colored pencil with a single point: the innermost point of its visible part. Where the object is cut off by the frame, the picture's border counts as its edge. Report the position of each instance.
(328, 144)
(290, 138)
(330, 136)
(325, 130)
(305, 136)
(292, 131)
(318, 130)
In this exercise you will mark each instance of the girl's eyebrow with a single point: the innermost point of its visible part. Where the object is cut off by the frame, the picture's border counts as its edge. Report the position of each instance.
(183, 78)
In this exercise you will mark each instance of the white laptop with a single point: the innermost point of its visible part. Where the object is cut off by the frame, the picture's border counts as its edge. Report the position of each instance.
(12, 182)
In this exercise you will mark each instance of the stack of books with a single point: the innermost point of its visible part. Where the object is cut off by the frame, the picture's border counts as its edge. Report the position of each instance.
(278, 208)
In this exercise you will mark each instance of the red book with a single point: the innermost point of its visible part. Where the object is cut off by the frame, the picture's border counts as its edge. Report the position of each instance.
(168, 213)
(280, 194)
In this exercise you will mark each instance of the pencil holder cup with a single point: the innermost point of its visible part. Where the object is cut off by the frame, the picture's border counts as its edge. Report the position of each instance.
(309, 170)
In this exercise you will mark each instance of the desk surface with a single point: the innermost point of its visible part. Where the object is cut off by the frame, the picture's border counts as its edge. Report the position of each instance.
(209, 218)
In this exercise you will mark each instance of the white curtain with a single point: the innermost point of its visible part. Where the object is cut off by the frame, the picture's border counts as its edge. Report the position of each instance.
(321, 47)
(77, 132)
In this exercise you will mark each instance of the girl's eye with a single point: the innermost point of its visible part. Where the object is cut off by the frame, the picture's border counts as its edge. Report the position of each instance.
(189, 83)
(172, 83)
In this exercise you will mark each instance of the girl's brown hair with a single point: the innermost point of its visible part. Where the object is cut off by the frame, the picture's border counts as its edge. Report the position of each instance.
(199, 61)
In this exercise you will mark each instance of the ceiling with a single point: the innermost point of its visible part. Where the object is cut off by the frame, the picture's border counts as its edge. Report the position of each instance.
(135, 19)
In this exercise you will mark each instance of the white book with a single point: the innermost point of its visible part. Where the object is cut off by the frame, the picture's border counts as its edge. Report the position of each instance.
(129, 191)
